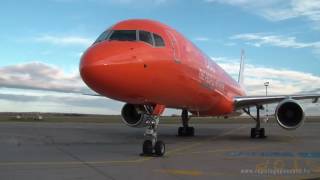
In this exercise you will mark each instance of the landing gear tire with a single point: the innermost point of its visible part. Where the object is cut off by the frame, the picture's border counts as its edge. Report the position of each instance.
(190, 131)
(186, 131)
(147, 148)
(258, 133)
(160, 148)
(262, 133)
(253, 133)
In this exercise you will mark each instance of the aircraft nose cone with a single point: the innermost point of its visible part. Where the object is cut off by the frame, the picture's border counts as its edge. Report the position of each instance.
(114, 76)
(89, 71)
(89, 58)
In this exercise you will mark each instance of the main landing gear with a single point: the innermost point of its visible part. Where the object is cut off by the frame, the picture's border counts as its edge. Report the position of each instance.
(256, 132)
(185, 130)
(152, 146)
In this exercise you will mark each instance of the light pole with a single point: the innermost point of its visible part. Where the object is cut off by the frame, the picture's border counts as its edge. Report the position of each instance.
(266, 84)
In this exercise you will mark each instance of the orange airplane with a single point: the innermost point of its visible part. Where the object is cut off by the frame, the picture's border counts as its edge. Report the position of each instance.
(151, 66)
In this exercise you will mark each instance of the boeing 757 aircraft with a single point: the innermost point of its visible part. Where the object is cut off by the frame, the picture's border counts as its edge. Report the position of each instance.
(150, 67)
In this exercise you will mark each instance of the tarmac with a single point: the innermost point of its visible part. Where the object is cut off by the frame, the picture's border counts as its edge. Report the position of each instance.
(93, 151)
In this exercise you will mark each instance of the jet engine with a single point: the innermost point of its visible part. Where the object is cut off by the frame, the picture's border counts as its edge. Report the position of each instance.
(135, 115)
(289, 114)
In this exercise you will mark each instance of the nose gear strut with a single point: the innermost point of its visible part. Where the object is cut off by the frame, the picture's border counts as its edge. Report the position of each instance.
(151, 145)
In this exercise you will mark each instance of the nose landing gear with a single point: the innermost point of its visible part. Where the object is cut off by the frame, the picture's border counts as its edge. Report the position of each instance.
(152, 146)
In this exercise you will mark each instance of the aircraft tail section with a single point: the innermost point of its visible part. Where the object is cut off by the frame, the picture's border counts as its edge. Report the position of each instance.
(241, 70)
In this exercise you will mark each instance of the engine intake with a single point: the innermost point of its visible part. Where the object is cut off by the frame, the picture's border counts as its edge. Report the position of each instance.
(134, 115)
(289, 114)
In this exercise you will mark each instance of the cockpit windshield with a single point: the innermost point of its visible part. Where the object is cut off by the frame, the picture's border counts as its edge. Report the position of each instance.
(123, 35)
(132, 35)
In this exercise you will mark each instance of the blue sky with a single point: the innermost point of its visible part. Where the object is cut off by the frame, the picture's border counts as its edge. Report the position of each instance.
(281, 39)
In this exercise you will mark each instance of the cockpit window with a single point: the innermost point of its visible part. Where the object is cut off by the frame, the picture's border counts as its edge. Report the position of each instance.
(131, 35)
(103, 36)
(123, 35)
(158, 40)
(146, 37)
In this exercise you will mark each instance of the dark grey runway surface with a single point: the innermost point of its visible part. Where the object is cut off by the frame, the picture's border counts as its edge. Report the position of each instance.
(87, 151)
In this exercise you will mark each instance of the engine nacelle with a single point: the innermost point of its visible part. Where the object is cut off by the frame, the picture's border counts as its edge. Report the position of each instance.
(134, 115)
(289, 114)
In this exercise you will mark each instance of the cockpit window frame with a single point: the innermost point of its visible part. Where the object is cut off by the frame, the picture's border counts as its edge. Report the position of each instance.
(109, 35)
(154, 41)
(103, 36)
(138, 37)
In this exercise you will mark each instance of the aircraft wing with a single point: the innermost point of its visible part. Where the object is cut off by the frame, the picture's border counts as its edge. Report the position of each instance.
(249, 101)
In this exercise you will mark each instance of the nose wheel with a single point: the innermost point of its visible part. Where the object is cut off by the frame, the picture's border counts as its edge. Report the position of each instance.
(152, 146)
(147, 147)
(159, 149)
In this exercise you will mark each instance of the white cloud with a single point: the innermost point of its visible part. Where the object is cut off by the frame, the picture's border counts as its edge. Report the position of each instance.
(278, 10)
(56, 91)
(258, 39)
(40, 76)
(296, 8)
(64, 40)
(282, 81)
(29, 101)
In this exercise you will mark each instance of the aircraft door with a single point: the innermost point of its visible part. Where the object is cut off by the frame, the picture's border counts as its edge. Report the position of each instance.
(175, 47)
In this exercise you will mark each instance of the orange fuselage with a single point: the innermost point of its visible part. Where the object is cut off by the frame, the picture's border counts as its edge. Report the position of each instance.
(177, 75)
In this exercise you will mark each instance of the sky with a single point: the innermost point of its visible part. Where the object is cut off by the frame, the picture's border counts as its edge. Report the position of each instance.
(41, 42)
